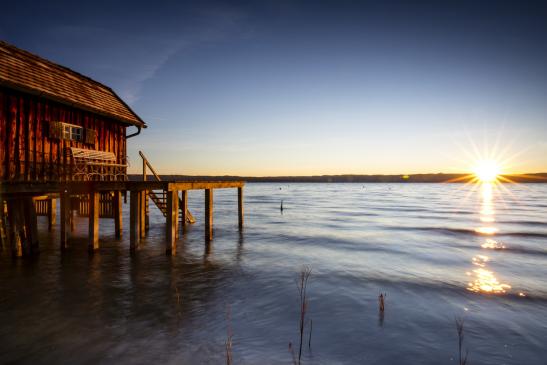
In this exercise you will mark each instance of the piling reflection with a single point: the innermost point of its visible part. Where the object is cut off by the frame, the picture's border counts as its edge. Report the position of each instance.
(483, 280)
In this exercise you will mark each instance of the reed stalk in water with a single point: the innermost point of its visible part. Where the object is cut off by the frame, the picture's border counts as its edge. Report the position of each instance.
(381, 302)
(291, 351)
(228, 344)
(309, 338)
(302, 285)
(460, 329)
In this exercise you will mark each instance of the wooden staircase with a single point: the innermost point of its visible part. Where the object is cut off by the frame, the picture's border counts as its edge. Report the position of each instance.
(158, 196)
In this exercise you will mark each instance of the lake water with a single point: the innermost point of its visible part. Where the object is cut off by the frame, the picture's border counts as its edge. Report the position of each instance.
(439, 251)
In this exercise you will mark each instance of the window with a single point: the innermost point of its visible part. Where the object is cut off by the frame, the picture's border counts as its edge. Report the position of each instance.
(72, 132)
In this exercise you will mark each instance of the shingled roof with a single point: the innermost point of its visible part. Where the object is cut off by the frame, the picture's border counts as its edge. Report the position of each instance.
(27, 72)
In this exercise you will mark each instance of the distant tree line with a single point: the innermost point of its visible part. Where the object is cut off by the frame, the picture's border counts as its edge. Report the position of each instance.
(416, 178)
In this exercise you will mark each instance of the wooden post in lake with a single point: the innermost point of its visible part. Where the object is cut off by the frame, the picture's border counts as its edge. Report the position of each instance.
(208, 214)
(31, 225)
(134, 220)
(23, 229)
(65, 223)
(184, 208)
(14, 235)
(93, 239)
(51, 213)
(117, 202)
(3, 230)
(240, 207)
(142, 214)
(146, 201)
(172, 221)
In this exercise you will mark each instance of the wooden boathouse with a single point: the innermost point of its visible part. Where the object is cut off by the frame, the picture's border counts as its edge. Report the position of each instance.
(64, 136)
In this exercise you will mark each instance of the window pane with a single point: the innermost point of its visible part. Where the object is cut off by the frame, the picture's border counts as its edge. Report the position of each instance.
(76, 133)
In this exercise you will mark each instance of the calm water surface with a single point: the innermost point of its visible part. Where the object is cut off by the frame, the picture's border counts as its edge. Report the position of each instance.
(439, 251)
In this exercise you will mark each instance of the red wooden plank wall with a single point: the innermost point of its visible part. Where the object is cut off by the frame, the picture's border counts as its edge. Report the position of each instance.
(26, 151)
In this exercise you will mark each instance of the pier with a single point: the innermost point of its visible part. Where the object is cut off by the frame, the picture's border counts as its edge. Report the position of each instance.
(24, 202)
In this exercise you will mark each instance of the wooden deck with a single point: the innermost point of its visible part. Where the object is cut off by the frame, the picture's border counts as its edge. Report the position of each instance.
(174, 206)
(78, 187)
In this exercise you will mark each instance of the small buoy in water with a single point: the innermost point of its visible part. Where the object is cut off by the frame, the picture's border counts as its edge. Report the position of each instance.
(281, 208)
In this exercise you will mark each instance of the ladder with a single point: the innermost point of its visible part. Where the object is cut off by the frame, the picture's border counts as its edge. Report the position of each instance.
(158, 196)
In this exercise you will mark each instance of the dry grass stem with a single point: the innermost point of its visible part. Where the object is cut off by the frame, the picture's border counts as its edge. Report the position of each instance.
(381, 302)
(179, 302)
(302, 285)
(460, 329)
(309, 338)
(228, 344)
(291, 351)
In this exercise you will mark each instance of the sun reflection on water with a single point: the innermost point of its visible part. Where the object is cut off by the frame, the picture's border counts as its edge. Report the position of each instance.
(485, 282)
(486, 230)
(493, 244)
(482, 279)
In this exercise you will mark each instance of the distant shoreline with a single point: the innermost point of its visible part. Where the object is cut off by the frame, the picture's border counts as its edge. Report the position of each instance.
(414, 178)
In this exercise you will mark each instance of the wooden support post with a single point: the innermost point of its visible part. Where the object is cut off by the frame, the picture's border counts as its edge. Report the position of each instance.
(240, 207)
(178, 216)
(134, 231)
(93, 239)
(117, 205)
(142, 214)
(23, 228)
(146, 211)
(71, 218)
(14, 235)
(31, 226)
(51, 213)
(184, 208)
(3, 231)
(208, 214)
(65, 228)
(172, 221)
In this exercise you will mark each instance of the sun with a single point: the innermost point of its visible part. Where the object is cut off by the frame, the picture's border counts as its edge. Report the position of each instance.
(487, 170)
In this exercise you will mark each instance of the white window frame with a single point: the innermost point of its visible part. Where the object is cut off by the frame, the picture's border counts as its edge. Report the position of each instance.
(72, 132)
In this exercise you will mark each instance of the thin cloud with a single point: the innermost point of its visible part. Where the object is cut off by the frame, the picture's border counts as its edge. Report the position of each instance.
(126, 60)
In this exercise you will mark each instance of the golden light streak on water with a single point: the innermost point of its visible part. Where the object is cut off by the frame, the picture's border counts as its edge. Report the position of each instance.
(493, 244)
(486, 282)
(482, 279)
(480, 260)
(486, 230)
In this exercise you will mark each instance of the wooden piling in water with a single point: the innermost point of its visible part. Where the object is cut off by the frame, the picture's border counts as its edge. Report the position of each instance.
(14, 231)
(117, 202)
(208, 214)
(23, 229)
(142, 213)
(51, 213)
(134, 220)
(93, 239)
(184, 208)
(172, 221)
(240, 207)
(31, 224)
(65, 223)
(3, 229)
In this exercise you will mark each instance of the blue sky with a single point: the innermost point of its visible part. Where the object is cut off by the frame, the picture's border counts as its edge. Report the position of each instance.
(322, 87)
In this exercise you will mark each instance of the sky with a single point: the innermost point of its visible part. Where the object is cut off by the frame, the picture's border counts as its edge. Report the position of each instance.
(310, 87)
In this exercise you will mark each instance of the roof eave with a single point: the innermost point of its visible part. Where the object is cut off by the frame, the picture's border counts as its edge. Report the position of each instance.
(138, 122)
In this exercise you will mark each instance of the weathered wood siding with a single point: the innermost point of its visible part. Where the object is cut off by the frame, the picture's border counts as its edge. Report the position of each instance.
(26, 151)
